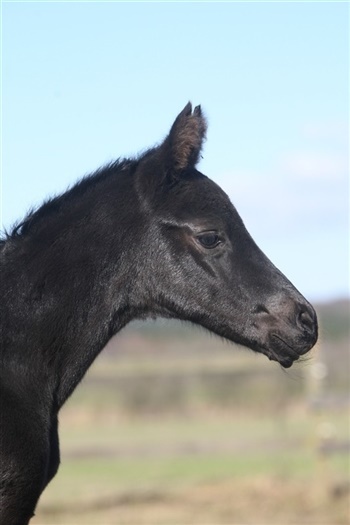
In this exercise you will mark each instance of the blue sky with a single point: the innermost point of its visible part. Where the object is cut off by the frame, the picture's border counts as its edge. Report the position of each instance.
(83, 83)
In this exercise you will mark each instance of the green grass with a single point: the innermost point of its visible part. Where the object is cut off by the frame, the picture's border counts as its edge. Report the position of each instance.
(175, 451)
(132, 474)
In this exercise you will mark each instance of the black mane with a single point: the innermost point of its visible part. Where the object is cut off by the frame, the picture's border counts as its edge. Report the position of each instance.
(54, 204)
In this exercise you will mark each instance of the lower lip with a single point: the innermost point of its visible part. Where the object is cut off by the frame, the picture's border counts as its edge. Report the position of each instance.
(286, 362)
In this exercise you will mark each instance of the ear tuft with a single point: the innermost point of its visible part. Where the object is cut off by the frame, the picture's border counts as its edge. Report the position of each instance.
(183, 145)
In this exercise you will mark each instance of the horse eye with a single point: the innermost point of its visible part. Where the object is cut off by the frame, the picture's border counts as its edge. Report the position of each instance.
(209, 240)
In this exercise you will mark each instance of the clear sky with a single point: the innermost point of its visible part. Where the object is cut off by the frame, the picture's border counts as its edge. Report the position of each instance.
(84, 83)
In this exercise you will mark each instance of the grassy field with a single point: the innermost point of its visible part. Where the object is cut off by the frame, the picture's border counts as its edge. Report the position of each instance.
(184, 430)
(213, 469)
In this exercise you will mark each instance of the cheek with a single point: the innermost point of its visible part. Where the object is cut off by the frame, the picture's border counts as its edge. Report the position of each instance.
(196, 266)
(220, 266)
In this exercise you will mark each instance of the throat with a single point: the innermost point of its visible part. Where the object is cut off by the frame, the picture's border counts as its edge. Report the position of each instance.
(78, 354)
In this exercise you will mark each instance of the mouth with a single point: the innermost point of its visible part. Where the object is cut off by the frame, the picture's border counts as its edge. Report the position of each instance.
(281, 352)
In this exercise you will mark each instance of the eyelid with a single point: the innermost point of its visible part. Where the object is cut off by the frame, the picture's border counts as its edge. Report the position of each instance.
(207, 232)
(203, 234)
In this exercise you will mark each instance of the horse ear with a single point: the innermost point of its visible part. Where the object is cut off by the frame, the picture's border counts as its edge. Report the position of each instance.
(182, 147)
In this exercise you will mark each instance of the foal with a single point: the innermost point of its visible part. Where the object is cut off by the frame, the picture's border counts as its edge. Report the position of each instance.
(150, 236)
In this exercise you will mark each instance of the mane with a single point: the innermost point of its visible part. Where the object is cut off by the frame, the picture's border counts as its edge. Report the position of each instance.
(55, 203)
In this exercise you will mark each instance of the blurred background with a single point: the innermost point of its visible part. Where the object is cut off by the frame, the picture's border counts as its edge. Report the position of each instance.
(173, 425)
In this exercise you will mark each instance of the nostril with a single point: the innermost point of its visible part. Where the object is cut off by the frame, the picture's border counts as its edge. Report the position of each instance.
(306, 318)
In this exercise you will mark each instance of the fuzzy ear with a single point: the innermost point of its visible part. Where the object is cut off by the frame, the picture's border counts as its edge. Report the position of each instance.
(182, 147)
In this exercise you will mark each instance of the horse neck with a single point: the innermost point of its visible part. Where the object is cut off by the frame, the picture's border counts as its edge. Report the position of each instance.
(70, 291)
